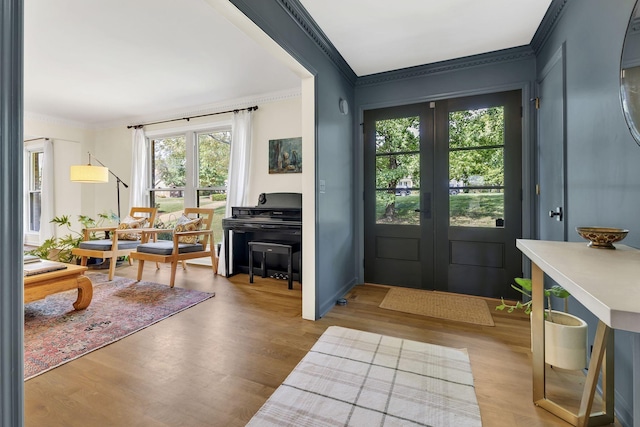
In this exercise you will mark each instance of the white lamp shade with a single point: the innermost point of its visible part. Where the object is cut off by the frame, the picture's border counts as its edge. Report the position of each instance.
(89, 174)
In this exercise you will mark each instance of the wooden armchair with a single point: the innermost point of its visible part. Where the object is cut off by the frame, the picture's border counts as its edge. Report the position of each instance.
(121, 240)
(184, 245)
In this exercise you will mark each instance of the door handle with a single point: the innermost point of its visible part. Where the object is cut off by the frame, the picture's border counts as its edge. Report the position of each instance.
(557, 213)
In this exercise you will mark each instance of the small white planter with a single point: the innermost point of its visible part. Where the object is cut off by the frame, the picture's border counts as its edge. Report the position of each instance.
(565, 341)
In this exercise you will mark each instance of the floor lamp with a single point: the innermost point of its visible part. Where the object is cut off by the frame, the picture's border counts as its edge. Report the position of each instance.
(91, 174)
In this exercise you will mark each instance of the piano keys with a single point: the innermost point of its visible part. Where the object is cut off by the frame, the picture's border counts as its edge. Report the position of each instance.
(277, 218)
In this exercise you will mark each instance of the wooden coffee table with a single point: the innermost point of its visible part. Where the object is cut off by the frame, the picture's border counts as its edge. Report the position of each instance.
(38, 286)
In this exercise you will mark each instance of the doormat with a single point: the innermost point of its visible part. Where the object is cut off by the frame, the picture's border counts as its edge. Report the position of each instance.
(441, 305)
(55, 333)
(357, 378)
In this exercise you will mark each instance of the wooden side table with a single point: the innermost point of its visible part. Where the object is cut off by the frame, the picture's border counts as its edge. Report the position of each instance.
(39, 286)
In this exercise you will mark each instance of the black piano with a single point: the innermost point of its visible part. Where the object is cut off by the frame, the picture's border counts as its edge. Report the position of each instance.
(276, 218)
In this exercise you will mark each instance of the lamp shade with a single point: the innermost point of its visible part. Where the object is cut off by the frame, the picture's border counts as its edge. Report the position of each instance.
(89, 174)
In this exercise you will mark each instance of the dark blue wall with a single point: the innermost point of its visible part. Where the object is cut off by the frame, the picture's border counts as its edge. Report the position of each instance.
(603, 177)
(285, 22)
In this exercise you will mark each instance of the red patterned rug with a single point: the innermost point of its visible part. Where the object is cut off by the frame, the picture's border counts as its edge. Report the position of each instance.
(54, 333)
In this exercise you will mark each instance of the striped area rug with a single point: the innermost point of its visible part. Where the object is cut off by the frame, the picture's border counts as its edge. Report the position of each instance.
(356, 378)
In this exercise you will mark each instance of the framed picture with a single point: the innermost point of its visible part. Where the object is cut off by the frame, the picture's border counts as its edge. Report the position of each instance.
(285, 155)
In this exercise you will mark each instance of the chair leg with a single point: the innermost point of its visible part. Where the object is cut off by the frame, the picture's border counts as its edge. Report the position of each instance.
(214, 262)
(174, 266)
(184, 265)
(112, 267)
(157, 266)
(140, 268)
(83, 261)
(130, 262)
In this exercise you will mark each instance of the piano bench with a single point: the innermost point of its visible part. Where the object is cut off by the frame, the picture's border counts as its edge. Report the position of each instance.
(275, 248)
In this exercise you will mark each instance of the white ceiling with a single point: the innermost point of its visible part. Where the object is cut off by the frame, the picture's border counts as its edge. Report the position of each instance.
(382, 35)
(107, 61)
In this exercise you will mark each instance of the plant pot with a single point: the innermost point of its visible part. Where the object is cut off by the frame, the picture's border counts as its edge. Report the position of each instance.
(565, 341)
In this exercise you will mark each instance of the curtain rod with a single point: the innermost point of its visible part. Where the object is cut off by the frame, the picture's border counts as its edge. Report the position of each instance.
(255, 107)
(35, 139)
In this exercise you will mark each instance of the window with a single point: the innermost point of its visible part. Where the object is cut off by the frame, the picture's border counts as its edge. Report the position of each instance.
(168, 174)
(397, 169)
(476, 167)
(33, 176)
(36, 159)
(190, 169)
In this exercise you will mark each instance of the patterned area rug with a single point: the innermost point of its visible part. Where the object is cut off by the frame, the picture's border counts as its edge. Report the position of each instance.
(442, 305)
(360, 378)
(54, 333)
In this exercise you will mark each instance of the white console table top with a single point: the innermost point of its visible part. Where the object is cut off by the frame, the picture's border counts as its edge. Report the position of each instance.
(605, 281)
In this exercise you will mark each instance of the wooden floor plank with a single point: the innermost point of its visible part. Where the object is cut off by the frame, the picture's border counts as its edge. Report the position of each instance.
(215, 364)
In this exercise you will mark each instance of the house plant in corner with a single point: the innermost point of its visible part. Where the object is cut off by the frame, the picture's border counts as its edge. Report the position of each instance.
(59, 248)
(565, 335)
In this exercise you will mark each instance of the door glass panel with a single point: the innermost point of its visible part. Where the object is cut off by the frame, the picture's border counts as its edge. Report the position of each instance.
(398, 171)
(476, 167)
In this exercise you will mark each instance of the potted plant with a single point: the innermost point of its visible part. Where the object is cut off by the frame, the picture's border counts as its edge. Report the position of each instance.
(59, 248)
(565, 335)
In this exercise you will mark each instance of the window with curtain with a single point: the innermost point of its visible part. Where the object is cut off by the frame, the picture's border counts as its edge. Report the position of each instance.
(190, 169)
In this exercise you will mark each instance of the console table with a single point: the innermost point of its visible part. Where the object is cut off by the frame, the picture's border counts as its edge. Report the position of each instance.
(607, 283)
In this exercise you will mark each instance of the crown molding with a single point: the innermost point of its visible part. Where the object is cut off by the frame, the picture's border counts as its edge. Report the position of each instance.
(300, 15)
(548, 24)
(499, 56)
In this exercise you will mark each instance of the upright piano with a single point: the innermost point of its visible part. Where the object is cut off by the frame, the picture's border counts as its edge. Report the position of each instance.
(276, 218)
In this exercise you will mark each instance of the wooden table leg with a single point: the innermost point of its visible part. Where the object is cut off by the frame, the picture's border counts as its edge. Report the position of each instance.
(85, 293)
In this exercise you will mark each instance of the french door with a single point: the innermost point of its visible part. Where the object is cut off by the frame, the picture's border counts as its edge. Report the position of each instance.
(443, 194)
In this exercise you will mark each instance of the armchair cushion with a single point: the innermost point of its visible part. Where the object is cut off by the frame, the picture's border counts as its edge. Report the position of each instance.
(105, 244)
(165, 247)
(187, 224)
(130, 222)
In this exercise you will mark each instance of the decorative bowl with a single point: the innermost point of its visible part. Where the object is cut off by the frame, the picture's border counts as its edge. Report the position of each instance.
(602, 237)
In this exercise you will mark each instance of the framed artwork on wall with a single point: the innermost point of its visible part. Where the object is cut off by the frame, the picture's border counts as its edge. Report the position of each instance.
(285, 155)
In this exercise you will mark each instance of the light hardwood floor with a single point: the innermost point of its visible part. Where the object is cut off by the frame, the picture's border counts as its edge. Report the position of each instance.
(215, 364)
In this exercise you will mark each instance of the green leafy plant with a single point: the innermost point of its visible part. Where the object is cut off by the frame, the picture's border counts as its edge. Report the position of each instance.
(524, 286)
(60, 248)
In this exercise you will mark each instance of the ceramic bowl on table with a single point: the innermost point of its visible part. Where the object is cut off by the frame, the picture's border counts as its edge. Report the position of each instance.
(602, 237)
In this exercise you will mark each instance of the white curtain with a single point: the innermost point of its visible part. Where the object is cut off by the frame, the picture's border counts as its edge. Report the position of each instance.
(239, 168)
(139, 189)
(47, 229)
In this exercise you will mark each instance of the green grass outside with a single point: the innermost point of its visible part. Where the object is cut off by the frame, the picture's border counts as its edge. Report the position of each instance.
(466, 209)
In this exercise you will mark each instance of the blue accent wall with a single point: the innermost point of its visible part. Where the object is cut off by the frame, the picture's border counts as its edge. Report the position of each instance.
(287, 23)
(603, 177)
